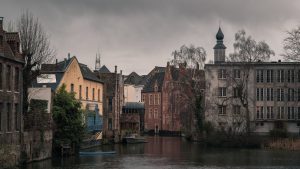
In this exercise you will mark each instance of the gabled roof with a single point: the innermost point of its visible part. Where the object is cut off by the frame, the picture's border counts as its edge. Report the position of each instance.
(157, 77)
(104, 69)
(134, 78)
(59, 67)
(88, 74)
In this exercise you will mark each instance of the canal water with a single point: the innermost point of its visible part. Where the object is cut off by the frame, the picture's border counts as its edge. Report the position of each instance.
(175, 153)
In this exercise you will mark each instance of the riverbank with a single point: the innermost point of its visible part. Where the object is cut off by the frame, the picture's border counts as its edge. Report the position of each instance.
(291, 144)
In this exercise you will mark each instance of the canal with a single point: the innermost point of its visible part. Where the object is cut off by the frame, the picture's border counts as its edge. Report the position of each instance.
(174, 153)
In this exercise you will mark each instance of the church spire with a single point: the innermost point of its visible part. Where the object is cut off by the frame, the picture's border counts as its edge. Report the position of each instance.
(219, 49)
(98, 61)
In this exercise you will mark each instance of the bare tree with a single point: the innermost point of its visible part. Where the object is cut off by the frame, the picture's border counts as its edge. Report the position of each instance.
(35, 48)
(192, 56)
(246, 52)
(291, 45)
(188, 90)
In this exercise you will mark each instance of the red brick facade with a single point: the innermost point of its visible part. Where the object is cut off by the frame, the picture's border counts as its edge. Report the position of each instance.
(168, 96)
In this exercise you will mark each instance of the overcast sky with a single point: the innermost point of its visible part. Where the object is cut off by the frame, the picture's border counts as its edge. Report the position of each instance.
(137, 35)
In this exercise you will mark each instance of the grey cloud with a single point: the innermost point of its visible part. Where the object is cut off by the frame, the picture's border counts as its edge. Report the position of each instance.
(139, 34)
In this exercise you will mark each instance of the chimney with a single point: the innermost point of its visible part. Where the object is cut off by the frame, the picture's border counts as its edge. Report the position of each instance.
(68, 56)
(116, 68)
(1, 23)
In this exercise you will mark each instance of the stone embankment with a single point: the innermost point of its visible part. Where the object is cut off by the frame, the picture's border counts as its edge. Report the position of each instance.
(285, 144)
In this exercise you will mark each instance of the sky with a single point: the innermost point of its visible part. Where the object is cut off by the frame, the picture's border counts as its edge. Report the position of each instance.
(137, 35)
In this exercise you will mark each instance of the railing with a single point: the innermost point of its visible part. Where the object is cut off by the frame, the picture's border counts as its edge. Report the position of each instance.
(95, 128)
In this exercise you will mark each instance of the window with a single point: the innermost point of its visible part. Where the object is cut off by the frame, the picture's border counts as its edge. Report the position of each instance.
(259, 112)
(8, 77)
(298, 75)
(222, 110)
(222, 74)
(110, 103)
(17, 128)
(290, 95)
(17, 74)
(93, 93)
(280, 76)
(270, 113)
(143, 97)
(269, 76)
(236, 109)
(269, 94)
(151, 99)
(99, 95)
(150, 113)
(1, 111)
(280, 113)
(280, 94)
(259, 76)
(290, 113)
(222, 91)
(8, 127)
(261, 94)
(109, 124)
(87, 93)
(80, 89)
(158, 99)
(155, 99)
(236, 92)
(155, 113)
(72, 88)
(297, 117)
(257, 94)
(237, 73)
(1, 76)
(291, 76)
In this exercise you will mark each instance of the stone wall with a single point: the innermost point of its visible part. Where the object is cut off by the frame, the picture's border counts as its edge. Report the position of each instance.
(37, 145)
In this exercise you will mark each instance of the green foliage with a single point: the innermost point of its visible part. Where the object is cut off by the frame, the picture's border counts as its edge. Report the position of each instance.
(37, 118)
(68, 117)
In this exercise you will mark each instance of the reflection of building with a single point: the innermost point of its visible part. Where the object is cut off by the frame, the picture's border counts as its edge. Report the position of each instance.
(79, 79)
(11, 64)
(112, 100)
(273, 93)
(132, 117)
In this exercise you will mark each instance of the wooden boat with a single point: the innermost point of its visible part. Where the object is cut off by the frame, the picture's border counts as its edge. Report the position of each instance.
(95, 153)
(134, 138)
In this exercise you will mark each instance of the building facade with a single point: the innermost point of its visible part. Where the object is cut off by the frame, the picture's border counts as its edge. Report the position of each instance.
(270, 90)
(133, 86)
(11, 65)
(77, 78)
(113, 101)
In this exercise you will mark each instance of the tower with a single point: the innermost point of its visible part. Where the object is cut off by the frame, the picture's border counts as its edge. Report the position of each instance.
(219, 49)
(97, 63)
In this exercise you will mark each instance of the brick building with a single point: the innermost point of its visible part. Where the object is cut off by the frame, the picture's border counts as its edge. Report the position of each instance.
(168, 97)
(113, 101)
(11, 64)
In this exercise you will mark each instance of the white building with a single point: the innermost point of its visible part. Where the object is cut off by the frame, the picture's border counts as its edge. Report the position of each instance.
(133, 86)
(272, 89)
(41, 93)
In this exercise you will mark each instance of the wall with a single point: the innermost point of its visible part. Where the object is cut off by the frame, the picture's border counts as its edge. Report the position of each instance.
(41, 94)
(132, 93)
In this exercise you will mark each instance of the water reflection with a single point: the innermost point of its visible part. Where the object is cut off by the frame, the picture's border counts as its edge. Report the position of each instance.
(172, 152)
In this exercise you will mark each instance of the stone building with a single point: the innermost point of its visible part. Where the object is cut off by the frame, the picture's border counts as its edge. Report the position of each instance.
(78, 78)
(272, 90)
(11, 64)
(113, 101)
(132, 118)
(168, 96)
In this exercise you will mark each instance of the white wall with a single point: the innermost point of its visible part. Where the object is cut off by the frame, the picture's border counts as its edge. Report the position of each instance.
(132, 93)
(43, 93)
